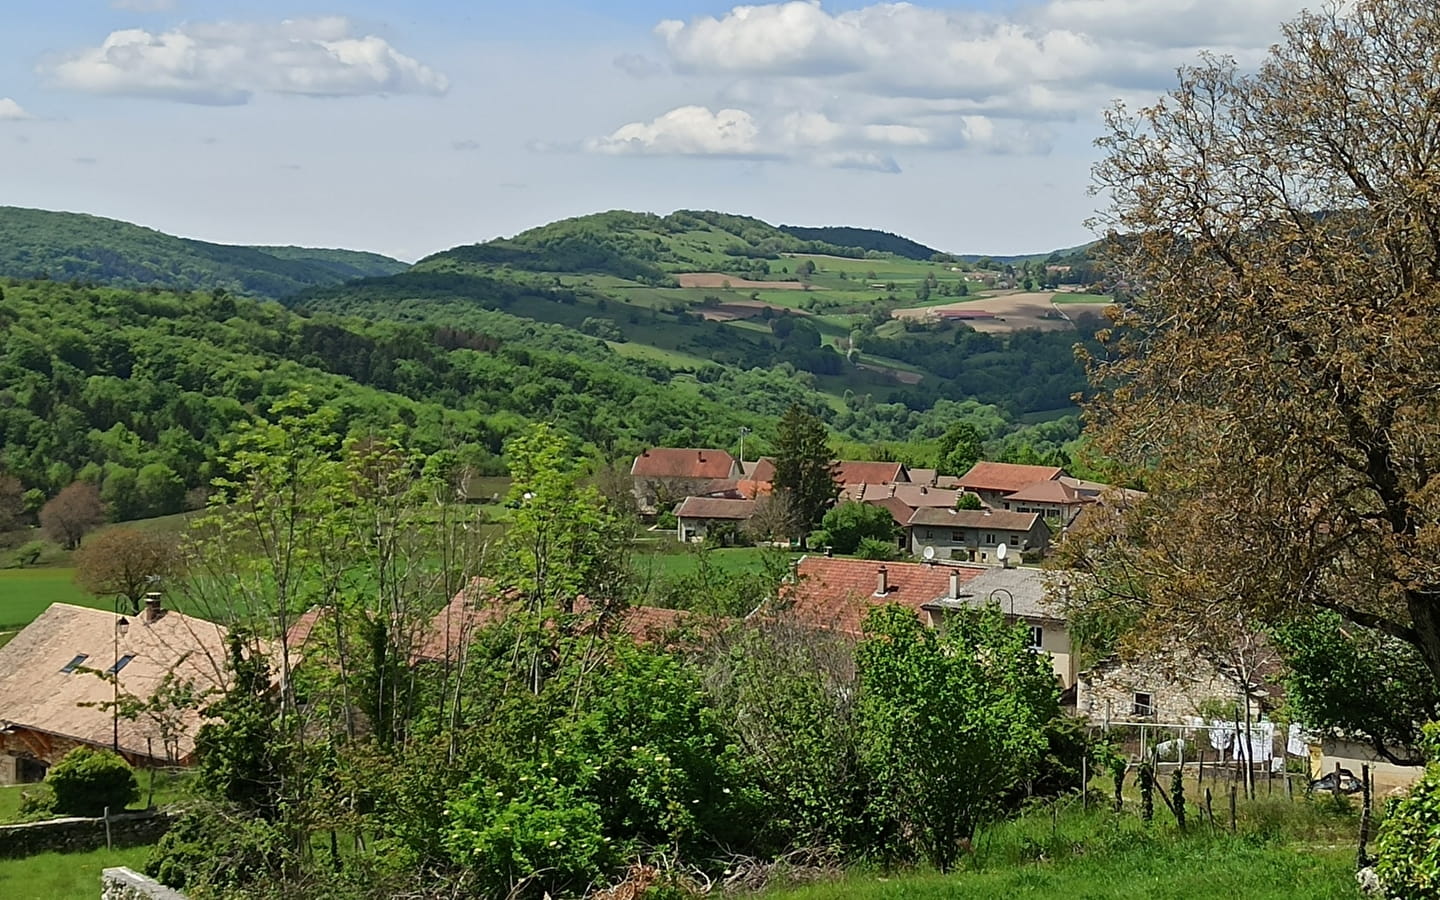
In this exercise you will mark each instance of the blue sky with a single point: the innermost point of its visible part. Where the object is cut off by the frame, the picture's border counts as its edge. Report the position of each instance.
(408, 128)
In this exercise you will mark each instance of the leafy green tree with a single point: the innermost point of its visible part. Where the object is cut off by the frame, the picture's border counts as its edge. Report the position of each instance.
(967, 500)
(1360, 683)
(243, 749)
(969, 697)
(804, 468)
(845, 525)
(960, 448)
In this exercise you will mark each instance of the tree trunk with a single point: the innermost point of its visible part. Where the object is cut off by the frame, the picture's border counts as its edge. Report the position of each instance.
(1424, 607)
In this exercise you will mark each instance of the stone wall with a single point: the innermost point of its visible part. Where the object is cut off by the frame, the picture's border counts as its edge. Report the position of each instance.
(124, 884)
(81, 834)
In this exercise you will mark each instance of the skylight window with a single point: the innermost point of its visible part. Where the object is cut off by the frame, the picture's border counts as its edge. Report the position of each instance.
(74, 664)
(120, 664)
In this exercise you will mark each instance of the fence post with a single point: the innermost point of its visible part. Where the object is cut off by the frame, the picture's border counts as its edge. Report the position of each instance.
(1200, 776)
(1233, 790)
(1361, 858)
(107, 828)
(1085, 780)
(1335, 784)
(1210, 808)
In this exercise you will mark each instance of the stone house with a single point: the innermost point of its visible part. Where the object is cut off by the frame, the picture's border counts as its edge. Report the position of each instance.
(974, 535)
(56, 685)
(1165, 687)
(994, 481)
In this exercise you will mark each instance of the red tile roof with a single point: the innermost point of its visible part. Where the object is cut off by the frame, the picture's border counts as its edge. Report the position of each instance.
(1056, 492)
(912, 495)
(836, 594)
(662, 462)
(853, 472)
(715, 508)
(1006, 477)
(762, 469)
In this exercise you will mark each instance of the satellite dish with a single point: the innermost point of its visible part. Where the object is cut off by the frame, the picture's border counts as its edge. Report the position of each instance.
(1001, 551)
(928, 553)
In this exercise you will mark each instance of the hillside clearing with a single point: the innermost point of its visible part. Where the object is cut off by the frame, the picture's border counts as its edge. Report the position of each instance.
(721, 280)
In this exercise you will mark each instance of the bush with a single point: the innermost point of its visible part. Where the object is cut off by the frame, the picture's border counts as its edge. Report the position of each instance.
(874, 548)
(87, 781)
(218, 847)
(850, 523)
(36, 803)
(1408, 854)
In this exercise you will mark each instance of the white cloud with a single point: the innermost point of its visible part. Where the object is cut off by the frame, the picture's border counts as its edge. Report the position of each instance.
(144, 5)
(10, 111)
(686, 131)
(847, 88)
(229, 62)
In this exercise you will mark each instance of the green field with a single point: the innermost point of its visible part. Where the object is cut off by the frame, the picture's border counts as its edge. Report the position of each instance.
(64, 876)
(666, 564)
(1072, 297)
(26, 593)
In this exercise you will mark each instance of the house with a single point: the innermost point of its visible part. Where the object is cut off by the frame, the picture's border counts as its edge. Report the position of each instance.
(975, 535)
(912, 496)
(1027, 597)
(56, 689)
(663, 476)
(993, 481)
(1053, 499)
(849, 472)
(1171, 686)
(757, 478)
(837, 594)
(477, 606)
(699, 517)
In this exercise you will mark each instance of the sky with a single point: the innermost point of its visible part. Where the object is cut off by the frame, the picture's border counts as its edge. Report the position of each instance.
(410, 127)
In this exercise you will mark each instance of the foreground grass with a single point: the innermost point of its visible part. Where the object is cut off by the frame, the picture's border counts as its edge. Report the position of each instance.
(64, 876)
(1283, 849)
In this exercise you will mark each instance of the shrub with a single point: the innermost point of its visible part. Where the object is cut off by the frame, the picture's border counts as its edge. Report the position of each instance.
(1408, 854)
(218, 847)
(874, 548)
(850, 523)
(86, 781)
(36, 803)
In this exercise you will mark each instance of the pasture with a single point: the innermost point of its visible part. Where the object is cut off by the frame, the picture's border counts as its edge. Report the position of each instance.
(1011, 311)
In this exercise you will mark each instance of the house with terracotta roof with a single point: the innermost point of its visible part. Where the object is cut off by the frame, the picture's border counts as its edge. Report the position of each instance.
(699, 517)
(663, 476)
(1052, 499)
(837, 595)
(849, 472)
(60, 675)
(993, 481)
(975, 535)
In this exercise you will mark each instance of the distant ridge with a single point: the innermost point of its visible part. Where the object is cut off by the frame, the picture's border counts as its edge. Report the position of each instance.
(863, 238)
(64, 246)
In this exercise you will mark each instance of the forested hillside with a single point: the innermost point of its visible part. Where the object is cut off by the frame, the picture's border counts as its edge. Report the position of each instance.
(863, 239)
(73, 247)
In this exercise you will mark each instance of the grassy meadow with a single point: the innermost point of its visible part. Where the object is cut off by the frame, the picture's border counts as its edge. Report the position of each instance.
(25, 594)
(64, 876)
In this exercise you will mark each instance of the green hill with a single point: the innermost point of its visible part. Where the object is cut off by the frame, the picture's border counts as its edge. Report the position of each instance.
(864, 239)
(74, 247)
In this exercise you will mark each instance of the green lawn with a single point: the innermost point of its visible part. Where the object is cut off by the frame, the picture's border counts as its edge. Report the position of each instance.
(1072, 297)
(169, 788)
(669, 565)
(26, 593)
(64, 876)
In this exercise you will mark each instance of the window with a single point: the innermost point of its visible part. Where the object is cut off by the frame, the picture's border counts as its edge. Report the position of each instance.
(957, 537)
(1014, 540)
(1144, 705)
(989, 538)
(1037, 636)
(74, 664)
(120, 663)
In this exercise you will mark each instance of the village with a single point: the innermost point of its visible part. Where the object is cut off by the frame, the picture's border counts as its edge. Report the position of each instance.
(977, 540)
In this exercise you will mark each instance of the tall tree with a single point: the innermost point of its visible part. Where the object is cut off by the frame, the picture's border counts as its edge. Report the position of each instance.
(1277, 373)
(961, 447)
(72, 514)
(125, 562)
(804, 468)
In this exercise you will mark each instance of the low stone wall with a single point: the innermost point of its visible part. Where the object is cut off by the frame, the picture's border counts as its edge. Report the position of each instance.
(125, 884)
(78, 834)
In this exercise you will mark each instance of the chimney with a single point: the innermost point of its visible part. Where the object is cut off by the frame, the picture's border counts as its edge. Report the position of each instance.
(882, 584)
(954, 584)
(154, 608)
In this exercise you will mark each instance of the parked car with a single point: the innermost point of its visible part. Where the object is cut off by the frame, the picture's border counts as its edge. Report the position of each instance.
(1349, 784)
